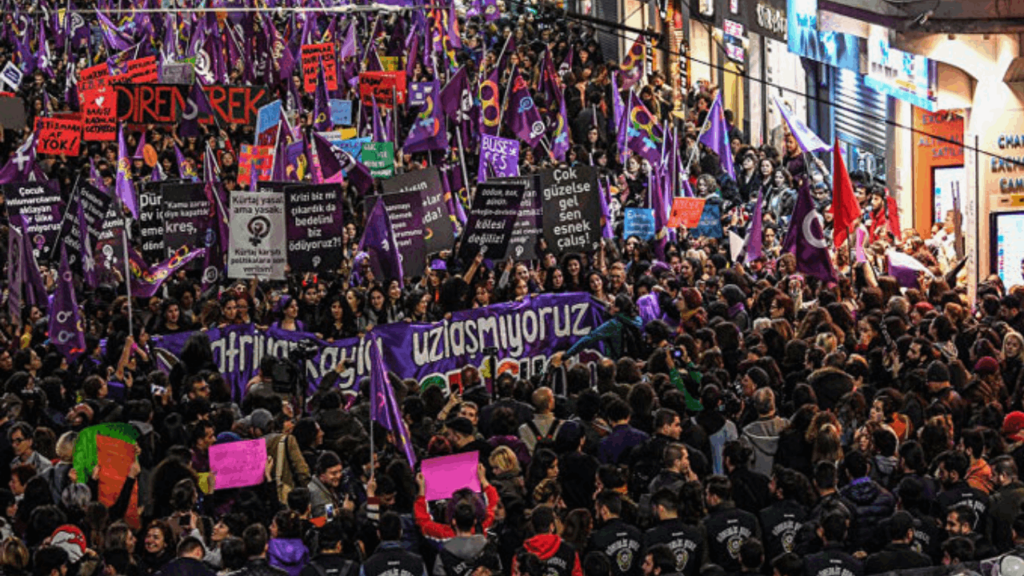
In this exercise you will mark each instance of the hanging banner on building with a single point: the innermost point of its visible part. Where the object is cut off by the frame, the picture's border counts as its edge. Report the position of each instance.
(572, 212)
(58, 136)
(902, 75)
(489, 228)
(524, 334)
(315, 227)
(257, 246)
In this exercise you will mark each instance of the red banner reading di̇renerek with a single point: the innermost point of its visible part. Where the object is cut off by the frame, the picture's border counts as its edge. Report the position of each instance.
(58, 136)
(169, 103)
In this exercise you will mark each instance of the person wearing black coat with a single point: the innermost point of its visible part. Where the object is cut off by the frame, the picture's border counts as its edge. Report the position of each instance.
(620, 541)
(873, 503)
(899, 554)
(748, 177)
(685, 541)
(833, 560)
(781, 521)
(725, 528)
(750, 490)
(189, 561)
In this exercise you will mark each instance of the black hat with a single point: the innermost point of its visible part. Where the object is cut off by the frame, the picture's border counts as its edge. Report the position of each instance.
(938, 372)
(461, 426)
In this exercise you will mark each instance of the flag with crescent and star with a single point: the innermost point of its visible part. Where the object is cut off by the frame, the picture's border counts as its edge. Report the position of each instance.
(384, 406)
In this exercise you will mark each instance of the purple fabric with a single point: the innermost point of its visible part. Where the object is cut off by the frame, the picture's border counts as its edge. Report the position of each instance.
(643, 134)
(146, 280)
(384, 408)
(125, 187)
(321, 105)
(66, 332)
(716, 136)
(428, 131)
(806, 239)
(521, 115)
(533, 328)
(379, 241)
(754, 237)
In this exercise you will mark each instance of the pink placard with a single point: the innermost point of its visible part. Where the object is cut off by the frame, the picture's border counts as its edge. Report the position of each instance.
(238, 463)
(443, 476)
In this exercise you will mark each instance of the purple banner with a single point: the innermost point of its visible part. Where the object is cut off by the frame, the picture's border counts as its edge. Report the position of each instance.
(315, 226)
(525, 333)
(499, 158)
(40, 207)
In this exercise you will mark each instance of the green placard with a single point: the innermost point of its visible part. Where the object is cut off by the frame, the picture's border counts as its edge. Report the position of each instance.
(379, 157)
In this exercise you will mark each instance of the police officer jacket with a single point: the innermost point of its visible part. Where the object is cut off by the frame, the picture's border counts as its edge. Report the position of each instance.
(391, 559)
(621, 542)
(963, 494)
(895, 557)
(726, 528)
(779, 524)
(832, 561)
(685, 542)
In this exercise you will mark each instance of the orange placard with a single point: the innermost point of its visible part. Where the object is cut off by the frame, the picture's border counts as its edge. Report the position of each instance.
(115, 458)
(58, 136)
(382, 88)
(315, 56)
(686, 212)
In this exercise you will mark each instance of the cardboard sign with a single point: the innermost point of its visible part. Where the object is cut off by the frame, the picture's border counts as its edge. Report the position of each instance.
(315, 226)
(686, 212)
(12, 76)
(638, 222)
(379, 157)
(169, 103)
(99, 115)
(384, 88)
(341, 112)
(115, 459)
(177, 73)
(418, 92)
(494, 214)
(12, 113)
(58, 136)
(139, 71)
(257, 244)
(710, 224)
(443, 476)
(315, 57)
(572, 211)
(354, 146)
(266, 123)
(255, 158)
(237, 464)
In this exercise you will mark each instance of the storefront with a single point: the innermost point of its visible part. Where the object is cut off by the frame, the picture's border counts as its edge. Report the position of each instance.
(774, 72)
(938, 172)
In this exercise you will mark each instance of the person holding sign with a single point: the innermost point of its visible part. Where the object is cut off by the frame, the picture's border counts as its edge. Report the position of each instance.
(438, 532)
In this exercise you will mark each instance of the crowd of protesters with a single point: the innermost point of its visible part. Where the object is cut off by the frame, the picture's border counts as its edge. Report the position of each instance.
(762, 422)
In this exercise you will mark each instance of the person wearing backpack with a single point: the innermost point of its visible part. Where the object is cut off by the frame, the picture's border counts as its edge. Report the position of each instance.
(622, 333)
(544, 426)
(329, 562)
(459, 554)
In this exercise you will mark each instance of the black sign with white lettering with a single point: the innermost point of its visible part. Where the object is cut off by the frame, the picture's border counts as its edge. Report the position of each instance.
(572, 210)
(491, 221)
(523, 245)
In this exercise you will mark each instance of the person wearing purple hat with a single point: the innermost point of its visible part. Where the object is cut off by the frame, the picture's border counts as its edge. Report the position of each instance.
(987, 385)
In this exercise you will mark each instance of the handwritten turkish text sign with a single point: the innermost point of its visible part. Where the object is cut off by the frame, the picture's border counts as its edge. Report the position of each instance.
(572, 212)
(686, 212)
(315, 57)
(58, 136)
(169, 103)
(382, 88)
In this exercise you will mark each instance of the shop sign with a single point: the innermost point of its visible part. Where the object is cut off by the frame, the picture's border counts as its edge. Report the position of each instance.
(902, 75)
(733, 40)
(706, 8)
(1008, 164)
(772, 19)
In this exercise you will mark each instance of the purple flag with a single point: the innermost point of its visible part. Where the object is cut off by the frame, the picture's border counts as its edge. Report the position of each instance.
(490, 105)
(521, 116)
(557, 117)
(186, 170)
(716, 136)
(905, 268)
(379, 241)
(633, 65)
(37, 290)
(460, 107)
(146, 280)
(15, 274)
(334, 163)
(643, 133)
(321, 105)
(66, 332)
(806, 239)
(125, 187)
(280, 168)
(349, 47)
(87, 259)
(19, 167)
(414, 51)
(428, 131)
(606, 228)
(115, 39)
(754, 236)
(807, 139)
(383, 404)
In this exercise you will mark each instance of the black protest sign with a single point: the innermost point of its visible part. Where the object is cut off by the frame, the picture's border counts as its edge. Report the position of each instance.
(151, 221)
(315, 227)
(523, 245)
(437, 221)
(572, 210)
(491, 221)
(186, 215)
(95, 204)
(40, 207)
(169, 103)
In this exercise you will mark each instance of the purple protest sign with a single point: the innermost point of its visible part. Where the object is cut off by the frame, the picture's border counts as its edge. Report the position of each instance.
(444, 475)
(315, 226)
(499, 157)
(525, 334)
(494, 214)
(238, 464)
(40, 207)
(418, 92)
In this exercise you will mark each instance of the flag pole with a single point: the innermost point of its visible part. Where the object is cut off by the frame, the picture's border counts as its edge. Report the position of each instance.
(126, 239)
(504, 100)
(696, 144)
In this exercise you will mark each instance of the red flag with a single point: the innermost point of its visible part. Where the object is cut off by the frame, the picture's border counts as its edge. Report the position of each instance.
(845, 208)
(894, 218)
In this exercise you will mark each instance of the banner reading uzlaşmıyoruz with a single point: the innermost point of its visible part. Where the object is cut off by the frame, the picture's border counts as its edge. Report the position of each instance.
(525, 334)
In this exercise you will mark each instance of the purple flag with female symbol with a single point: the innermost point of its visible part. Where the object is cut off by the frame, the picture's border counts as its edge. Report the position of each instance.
(754, 236)
(806, 239)
(716, 137)
(383, 404)
(379, 241)
(522, 116)
(643, 134)
(499, 158)
(428, 132)
(66, 332)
